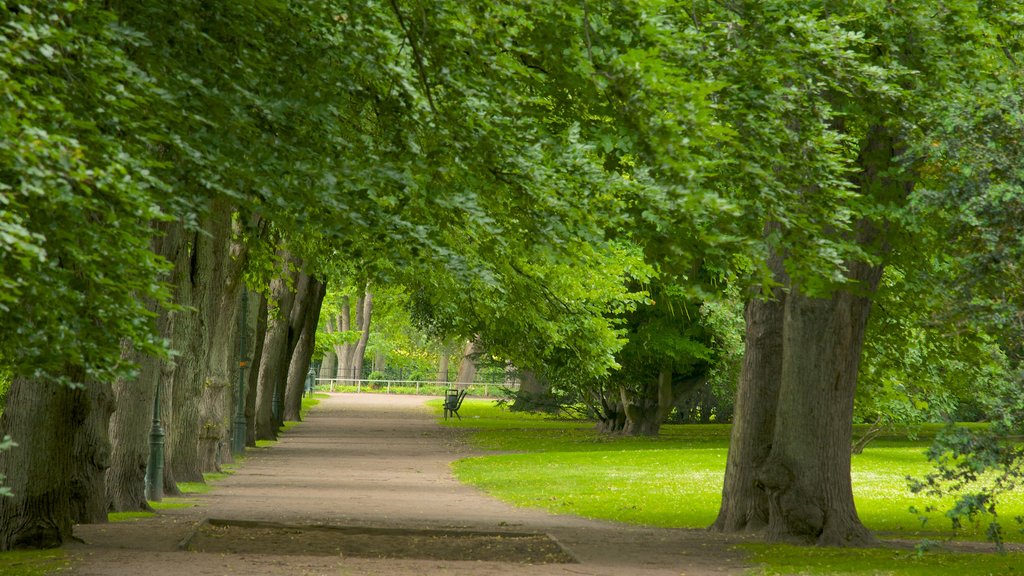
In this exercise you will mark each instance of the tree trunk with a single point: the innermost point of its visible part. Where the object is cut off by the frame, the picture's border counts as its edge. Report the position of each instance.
(133, 414)
(129, 433)
(744, 505)
(329, 367)
(299, 366)
(807, 472)
(442, 367)
(41, 418)
(257, 325)
(467, 366)
(344, 350)
(274, 360)
(611, 416)
(533, 393)
(91, 453)
(364, 311)
(645, 413)
(380, 362)
(183, 387)
(301, 303)
(222, 301)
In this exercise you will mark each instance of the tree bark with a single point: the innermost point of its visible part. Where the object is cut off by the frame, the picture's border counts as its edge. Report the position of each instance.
(645, 413)
(344, 350)
(133, 414)
(532, 394)
(329, 367)
(467, 366)
(275, 357)
(42, 417)
(222, 301)
(296, 320)
(806, 473)
(380, 362)
(744, 505)
(364, 311)
(257, 326)
(299, 366)
(183, 387)
(442, 367)
(91, 452)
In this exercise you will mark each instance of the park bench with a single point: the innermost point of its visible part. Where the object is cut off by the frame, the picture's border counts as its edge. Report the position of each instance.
(453, 401)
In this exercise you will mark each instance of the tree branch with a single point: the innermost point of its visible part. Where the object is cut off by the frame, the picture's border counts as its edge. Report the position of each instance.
(417, 56)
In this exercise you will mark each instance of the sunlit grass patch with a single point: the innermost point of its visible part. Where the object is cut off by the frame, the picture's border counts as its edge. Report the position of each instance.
(32, 562)
(675, 480)
(128, 516)
(173, 503)
(780, 560)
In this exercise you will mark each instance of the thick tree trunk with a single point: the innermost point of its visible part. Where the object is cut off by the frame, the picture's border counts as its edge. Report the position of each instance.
(42, 417)
(298, 368)
(182, 387)
(257, 324)
(133, 414)
(276, 354)
(744, 505)
(91, 453)
(380, 362)
(807, 472)
(344, 350)
(192, 342)
(129, 433)
(222, 301)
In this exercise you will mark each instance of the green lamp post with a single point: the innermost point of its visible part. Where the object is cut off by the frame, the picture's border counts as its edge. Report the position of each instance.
(239, 427)
(155, 466)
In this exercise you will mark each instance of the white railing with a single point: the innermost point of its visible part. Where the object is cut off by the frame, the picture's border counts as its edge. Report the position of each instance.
(386, 384)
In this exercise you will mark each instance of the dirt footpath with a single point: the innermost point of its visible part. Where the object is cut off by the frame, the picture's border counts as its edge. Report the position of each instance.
(363, 487)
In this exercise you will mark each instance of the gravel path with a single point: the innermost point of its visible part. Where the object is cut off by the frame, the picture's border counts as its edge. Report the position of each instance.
(378, 465)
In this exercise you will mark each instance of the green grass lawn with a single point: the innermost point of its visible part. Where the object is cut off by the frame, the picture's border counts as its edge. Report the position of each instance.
(675, 480)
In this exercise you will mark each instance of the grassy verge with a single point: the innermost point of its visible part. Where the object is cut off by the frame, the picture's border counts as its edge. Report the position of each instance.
(675, 480)
(780, 560)
(32, 562)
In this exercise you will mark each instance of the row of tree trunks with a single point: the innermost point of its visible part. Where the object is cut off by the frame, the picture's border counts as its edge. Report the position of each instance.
(85, 461)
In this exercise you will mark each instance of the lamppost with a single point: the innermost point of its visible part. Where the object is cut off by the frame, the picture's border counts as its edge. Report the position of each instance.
(239, 428)
(310, 379)
(155, 466)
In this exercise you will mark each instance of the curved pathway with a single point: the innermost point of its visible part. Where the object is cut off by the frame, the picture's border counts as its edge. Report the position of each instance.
(381, 462)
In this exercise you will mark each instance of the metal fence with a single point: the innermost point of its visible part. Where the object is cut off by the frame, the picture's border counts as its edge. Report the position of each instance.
(426, 387)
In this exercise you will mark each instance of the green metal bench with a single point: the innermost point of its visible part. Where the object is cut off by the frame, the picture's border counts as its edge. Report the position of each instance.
(453, 401)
